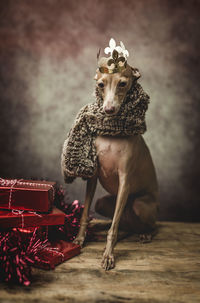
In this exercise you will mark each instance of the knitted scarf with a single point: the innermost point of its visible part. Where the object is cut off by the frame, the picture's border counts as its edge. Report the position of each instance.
(79, 157)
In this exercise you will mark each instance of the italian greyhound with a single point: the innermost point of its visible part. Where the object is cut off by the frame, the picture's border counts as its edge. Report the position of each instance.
(125, 170)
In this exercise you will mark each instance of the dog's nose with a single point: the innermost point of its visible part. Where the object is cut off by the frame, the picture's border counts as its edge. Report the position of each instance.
(109, 110)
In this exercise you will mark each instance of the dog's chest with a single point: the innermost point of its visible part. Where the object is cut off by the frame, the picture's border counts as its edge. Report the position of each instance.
(108, 156)
(112, 153)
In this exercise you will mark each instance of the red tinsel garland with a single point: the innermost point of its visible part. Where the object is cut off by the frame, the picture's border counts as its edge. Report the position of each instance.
(18, 251)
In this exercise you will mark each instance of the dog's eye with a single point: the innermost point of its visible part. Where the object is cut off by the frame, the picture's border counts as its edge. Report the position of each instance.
(101, 85)
(122, 84)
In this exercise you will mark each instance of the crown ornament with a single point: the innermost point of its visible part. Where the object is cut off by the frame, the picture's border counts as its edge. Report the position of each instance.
(117, 61)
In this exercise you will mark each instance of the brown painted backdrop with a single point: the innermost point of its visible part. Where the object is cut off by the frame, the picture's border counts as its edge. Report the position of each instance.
(47, 63)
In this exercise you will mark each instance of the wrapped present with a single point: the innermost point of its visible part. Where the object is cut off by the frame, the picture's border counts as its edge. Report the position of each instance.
(22, 219)
(27, 195)
(56, 253)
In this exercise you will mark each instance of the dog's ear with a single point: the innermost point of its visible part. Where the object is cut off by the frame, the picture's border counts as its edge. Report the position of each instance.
(98, 54)
(135, 72)
(96, 76)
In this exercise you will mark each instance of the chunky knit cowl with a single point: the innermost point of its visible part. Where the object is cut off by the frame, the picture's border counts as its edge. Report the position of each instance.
(79, 157)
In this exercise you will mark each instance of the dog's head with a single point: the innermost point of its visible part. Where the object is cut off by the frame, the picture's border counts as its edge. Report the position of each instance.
(114, 87)
(114, 77)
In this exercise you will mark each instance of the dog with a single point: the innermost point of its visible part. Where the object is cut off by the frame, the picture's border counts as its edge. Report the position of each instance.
(125, 170)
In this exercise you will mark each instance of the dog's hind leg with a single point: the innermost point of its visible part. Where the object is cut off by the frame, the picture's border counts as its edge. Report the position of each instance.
(142, 223)
(90, 190)
(105, 206)
(146, 208)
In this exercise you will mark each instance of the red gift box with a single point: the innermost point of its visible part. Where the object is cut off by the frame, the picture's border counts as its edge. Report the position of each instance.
(10, 219)
(27, 195)
(56, 253)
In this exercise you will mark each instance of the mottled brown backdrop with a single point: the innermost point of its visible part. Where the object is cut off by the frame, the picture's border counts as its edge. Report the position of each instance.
(47, 63)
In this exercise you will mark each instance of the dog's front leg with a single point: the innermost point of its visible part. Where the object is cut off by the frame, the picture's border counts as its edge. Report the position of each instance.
(122, 196)
(90, 190)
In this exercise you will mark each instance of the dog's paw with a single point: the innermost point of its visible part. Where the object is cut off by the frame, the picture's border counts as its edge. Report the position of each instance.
(108, 261)
(79, 241)
(145, 238)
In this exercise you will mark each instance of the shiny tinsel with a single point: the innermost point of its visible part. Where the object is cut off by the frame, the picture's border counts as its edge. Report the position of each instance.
(18, 251)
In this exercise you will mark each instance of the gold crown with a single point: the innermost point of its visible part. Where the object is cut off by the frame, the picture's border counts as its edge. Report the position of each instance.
(117, 62)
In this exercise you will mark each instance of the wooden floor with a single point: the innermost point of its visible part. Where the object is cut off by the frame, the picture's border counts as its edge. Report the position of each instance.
(165, 270)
